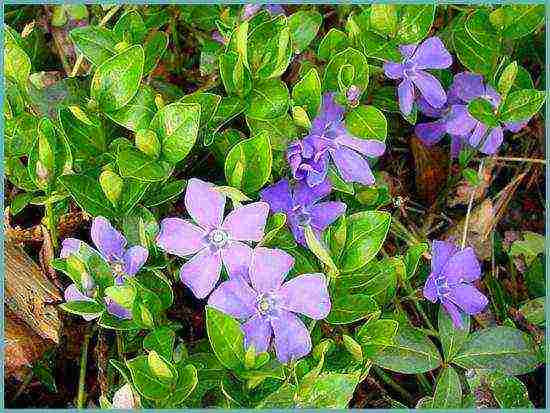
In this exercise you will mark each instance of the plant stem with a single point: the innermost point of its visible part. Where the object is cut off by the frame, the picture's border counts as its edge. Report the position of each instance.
(512, 159)
(419, 308)
(50, 219)
(390, 382)
(119, 345)
(424, 383)
(82, 376)
(470, 203)
(23, 386)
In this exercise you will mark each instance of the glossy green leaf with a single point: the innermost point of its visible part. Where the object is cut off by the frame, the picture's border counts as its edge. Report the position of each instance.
(208, 102)
(482, 110)
(507, 78)
(145, 381)
(332, 43)
(135, 164)
(269, 99)
(519, 20)
(87, 308)
(375, 335)
(328, 391)
(130, 27)
(226, 338)
(415, 22)
(521, 105)
(412, 258)
(448, 390)
(154, 49)
(304, 25)
(17, 64)
(356, 60)
(165, 193)
(137, 114)
(89, 196)
(383, 19)
(367, 122)
(281, 131)
(86, 137)
(97, 44)
(533, 311)
(307, 93)
(350, 308)
(452, 338)
(509, 391)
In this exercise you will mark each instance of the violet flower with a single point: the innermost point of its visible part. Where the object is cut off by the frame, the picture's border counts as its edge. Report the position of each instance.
(214, 240)
(268, 305)
(217, 37)
(450, 282)
(430, 54)
(124, 262)
(455, 120)
(302, 206)
(309, 157)
(250, 10)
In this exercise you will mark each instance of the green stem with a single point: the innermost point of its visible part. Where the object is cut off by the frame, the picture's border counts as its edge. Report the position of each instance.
(419, 308)
(120, 345)
(425, 383)
(52, 227)
(394, 385)
(82, 376)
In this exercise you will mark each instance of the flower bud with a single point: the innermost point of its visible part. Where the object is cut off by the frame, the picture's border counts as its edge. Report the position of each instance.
(300, 117)
(112, 185)
(148, 142)
(353, 95)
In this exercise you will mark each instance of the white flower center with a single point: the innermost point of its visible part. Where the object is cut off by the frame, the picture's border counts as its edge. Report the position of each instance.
(218, 238)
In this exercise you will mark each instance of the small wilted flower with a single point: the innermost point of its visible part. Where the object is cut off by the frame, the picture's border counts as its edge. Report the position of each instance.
(124, 262)
(302, 206)
(430, 54)
(329, 138)
(268, 306)
(450, 282)
(215, 239)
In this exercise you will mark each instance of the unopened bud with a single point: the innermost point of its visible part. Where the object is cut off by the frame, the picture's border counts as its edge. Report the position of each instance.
(148, 142)
(353, 95)
(111, 184)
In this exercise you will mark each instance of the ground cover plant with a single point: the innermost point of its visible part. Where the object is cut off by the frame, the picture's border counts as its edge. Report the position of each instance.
(274, 206)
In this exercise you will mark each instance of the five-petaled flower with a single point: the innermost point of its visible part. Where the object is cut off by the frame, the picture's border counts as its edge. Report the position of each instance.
(124, 262)
(309, 157)
(455, 119)
(302, 206)
(214, 240)
(268, 306)
(430, 54)
(451, 278)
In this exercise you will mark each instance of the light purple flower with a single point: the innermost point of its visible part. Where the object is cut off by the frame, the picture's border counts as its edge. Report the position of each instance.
(214, 240)
(250, 10)
(217, 36)
(352, 95)
(450, 282)
(430, 54)
(302, 206)
(329, 138)
(268, 305)
(124, 262)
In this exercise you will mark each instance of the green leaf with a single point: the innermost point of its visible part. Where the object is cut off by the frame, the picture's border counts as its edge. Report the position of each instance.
(235, 75)
(356, 60)
(410, 353)
(533, 311)
(145, 381)
(123, 295)
(367, 122)
(135, 164)
(281, 398)
(452, 338)
(177, 126)
(500, 348)
(117, 80)
(130, 27)
(412, 258)
(383, 19)
(160, 367)
(378, 47)
(226, 338)
(154, 48)
(280, 130)
(137, 114)
(17, 64)
(350, 308)
(161, 340)
(448, 390)
(507, 78)
(19, 202)
(334, 42)
(208, 102)
(254, 157)
(521, 105)
(187, 382)
(112, 322)
(415, 22)
(86, 137)
(531, 245)
(519, 20)
(89, 196)
(268, 100)
(482, 110)
(375, 335)
(320, 251)
(157, 283)
(83, 308)
(327, 390)
(304, 25)
(509, 391)
(133, 191)
(97, 44)
(366, 233)
(166, 193)
(307, 93)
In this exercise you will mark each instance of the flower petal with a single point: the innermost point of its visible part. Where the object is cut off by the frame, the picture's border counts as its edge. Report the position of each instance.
(69, 247)
(292, 340)
(430, 291)
(304, 195)
(468, 298)
(457, 143)
(432, 54)
(367, 147)
(107, 239)
(204, 203)
(247, 223)
(430, 88)
(352, 166)
(234, 297)
(179, 237)
(72, 293)
(478, 134)
(278, 196)
(269, 268)
(442, 251)
(463, 266)
(427, 109)
(297, 229)
(325, 213)
(257, 333)
(515, 127)
(407, 50)
(405, 92)
(134, 258)
(492, 141)
(393, 70)
(430, 133)
(202, 272)
(459, 121)
(317, 171)
(236, 257)
(117, 310)
(467, 86)
(454, 313)
(306, 294)
(330, 110)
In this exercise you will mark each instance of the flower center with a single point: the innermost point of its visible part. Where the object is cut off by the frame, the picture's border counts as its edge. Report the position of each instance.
(218, 238)
(266, 304)
(409, 69)
(303, 217)
(117, 267)
(441, 287)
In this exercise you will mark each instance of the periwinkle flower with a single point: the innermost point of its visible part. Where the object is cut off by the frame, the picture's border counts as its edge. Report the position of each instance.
(123, 261)
(250, 10)
(329, 138)
(268, 306)
(302, 206)
(451, 278)
(217, 37)
(430, 54)
(214, 239)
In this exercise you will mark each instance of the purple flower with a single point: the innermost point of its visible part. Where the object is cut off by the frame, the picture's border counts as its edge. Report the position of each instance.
(124, 262)
(217, 36)
(308, 158)
(430, 54)
(455, 120)
(268, 305)
(214, 240)
(302, 206)
(352, 95)
(450, 282)
(250, 10)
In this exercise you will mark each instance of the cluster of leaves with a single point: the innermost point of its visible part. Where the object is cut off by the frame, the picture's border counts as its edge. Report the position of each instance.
(117, 143)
